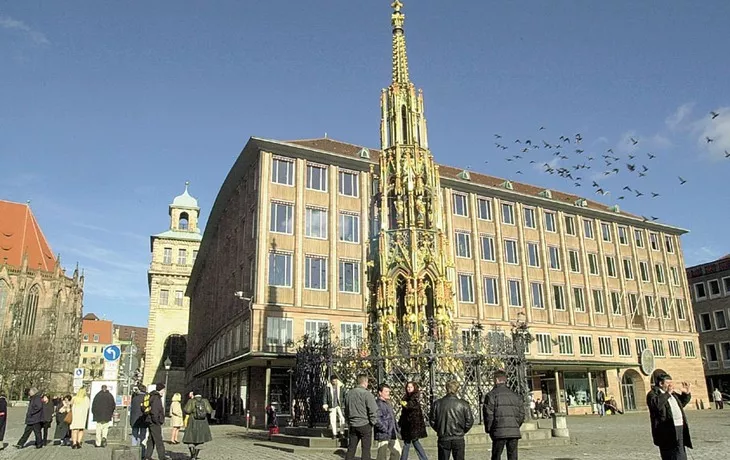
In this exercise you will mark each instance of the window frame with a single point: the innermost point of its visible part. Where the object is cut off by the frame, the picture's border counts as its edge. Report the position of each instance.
(669, 244)
(709, 288)
(490, 243)
(621, 349)
(579, 306)
(288, 329)
(606, 234)
(466, 204)
(689, 349)
(628, 269)
(354, 177)
(623, 241)
(724, 318)
(702, 323)
(322, 272)
(565, 345)
(461, 236)
(650, 306)
(639, 238)
(518, 292)
(654, 244)
(559, 299)
(470, 277)
(291, 172)
(323, 213)
(544, 343)
(533, 249)
(616, 301)
(609, 266)
(601, 298)
(569, 222)
(605, 345)
(556, 251)
(644, 269)
(512, 213)
(274, 214)
(529, 211)
(573, 256)
(323, 177)
(673, 345)
(592, 256)
(487, 208)
(661, 277)
(513, 242)
(491, 280)
(541, 304)
(356, 276)
(288, 267)
(550, 216)
(657, 346)
(341, 237)
(698, 297)
(586, 340)
(588, 230)
(352, 339)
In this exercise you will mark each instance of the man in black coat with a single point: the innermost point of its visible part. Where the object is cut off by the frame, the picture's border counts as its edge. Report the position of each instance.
(669, 427)
(451, 418)
(3, 418)
(504, 413)
(136, 417)
(155, 420)
(33, 420)
(102, 408)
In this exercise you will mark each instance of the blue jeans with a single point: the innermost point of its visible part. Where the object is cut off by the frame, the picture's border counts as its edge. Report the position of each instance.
(138, 435)
(601, 409)
(416, 445)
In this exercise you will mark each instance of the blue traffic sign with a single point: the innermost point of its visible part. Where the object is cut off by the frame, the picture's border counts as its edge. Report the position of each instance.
(112, 353)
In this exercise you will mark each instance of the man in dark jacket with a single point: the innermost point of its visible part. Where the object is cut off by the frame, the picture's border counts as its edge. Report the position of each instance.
(669, 427)
(136, 417)
(155, 420)
(451, 418)
(386, 430)
(33, 420)
(48, 411)
(334, 398)
(361, 414)
(102, 408)
(504, 413)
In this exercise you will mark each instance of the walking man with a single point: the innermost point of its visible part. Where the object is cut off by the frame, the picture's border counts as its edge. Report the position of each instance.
(504, 413)
(669, 427)
(386, 430)
(155, 420)
(451, 418)
(361, 414)
(33, 420)
(334, 396)
(601, 402)
(102, 408)
(717, 397)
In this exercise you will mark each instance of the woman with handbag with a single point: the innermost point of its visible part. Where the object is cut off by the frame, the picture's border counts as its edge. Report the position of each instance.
(176, 417)
(63, 421)
(412, 424)
(79, 413)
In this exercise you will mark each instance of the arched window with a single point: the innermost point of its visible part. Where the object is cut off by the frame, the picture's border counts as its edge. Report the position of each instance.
(4, 297)
(404, 120)
(175, 349)
(183, 224)
(31, 311)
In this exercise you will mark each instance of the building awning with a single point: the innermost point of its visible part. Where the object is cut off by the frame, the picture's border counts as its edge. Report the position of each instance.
(256, 359)
(572, 364)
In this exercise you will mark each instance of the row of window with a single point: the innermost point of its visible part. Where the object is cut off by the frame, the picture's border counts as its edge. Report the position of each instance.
(283, 169)
(711, 289)
(512, 256)
(706, 321)
(94, 336)
(565, 343)
(484, 212)
(93, 349)
(280, 331)
(713, 357)
(165, 297)
(315, 222)
(578, 298)
(182, 256)
(315, 272)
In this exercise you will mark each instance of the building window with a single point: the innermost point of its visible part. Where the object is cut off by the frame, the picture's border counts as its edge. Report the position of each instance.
(554, 254)
(279, 331)
(466, 288)
(606, 232)
(533, 255)
(586, 345)
(649, 303)
(484, 208)
(588, 228)
(681, 309)
(315, 273)
(463, 245)
(624, 346)
(544, 344)
(559, 297)
(529, 217)
(611, 266)
(657, 346)
(569, 225)
(282, 218)
(665, 308)
(510, 251)
(714, 287)
(623, 237)
(349, 227)
(487, 248)
(315, 328)
(86, 349)
(164, 296)
(317, 178)
(195, 256)
(641, 345)
(182, 257)
(726, 285)
(315, 223)
(689, 349)
(167, 256)
(565, 344)
(605, 347)
(86, 338)
(673, 348)
(711, 355)
(537, 297)
(675, 275)
(654, 241)
(644, 270)
(515, 296)
(574, 261)
(280, 269)
(84, 360)
(616, 306)
(593, 264)
(550, 221)
(96, 338)
(628, 269)
(460, 207)
(633, 303)
(349, 184)
(669, 244)
(490, 290)
(282, 171)
(351, 334)
(349, 276)
(179, 298)
(639, 238)
(579, 299)
(720, 321)
(660, 274)
(598, 301)
(700, 292)
(508, 214)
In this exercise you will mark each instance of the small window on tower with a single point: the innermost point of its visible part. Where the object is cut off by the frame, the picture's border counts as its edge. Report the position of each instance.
(183, 224)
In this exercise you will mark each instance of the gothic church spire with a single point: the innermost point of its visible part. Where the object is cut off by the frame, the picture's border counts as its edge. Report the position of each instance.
(400, 58)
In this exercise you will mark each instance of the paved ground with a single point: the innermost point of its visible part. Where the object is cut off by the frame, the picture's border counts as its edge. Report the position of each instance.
(594, 438)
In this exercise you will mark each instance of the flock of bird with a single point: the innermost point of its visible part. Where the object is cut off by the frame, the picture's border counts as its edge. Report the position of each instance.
(587, 167)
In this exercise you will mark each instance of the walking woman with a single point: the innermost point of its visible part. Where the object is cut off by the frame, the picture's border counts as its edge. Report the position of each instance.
(412, 423)
(176, 417)
(63, 428)
(79, 413)
(197, 432)
(3, 419)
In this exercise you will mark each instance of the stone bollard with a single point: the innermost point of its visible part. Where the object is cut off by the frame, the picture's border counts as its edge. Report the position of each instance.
(560, 426)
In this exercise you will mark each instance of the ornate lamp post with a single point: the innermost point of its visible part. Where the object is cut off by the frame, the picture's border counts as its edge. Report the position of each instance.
(167, 364)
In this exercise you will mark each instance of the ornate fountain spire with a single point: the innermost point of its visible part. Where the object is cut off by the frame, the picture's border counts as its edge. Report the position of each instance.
(400, 58)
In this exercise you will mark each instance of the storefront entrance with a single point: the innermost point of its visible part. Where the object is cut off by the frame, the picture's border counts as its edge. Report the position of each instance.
(632, 387)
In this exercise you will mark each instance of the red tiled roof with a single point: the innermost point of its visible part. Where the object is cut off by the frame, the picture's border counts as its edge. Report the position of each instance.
(20, 234)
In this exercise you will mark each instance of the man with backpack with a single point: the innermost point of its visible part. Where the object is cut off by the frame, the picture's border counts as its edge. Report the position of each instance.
(197, 431)
(154, 411)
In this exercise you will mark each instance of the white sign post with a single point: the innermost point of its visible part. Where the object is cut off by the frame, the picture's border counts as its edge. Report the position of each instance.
(78, 379)
(112, 353)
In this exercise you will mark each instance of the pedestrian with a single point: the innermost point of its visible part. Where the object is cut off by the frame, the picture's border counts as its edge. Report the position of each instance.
(717, 397)
(102, 408)
(361, 415)
(451, 418)
(197, 431)
(3, 418)
(48, 411)
(334, 397)
(412, 423)
(33, 420)
(155, 417)
(176, 417)
(600, 402)
(504, 413)
(79, 414)
(386, 430)
(63, 430)
(137, 417)
(669, 428)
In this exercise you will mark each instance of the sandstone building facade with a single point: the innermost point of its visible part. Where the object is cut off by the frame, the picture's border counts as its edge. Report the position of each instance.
(303, 232)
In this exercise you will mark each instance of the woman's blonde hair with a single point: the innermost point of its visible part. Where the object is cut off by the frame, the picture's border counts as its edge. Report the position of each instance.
(176, 397)
(81, 395)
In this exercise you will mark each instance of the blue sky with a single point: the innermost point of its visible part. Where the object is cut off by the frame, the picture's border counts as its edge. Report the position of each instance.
(107, 108)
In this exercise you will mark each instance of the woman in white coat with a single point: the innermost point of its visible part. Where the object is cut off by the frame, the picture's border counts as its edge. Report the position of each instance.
(79, 414)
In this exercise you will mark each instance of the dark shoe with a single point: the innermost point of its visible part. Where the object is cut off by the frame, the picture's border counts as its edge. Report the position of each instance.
(103, 442)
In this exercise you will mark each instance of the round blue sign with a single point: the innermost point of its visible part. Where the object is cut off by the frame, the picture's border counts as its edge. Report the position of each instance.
(112, 353)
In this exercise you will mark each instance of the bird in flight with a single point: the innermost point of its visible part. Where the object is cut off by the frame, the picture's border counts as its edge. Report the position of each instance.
(541, 128)
(498, 136)
(654, 195)
(631, 157)
(578, 138)
(682, 181)
(709, 139)
(519, 172)
(621, 197)
(651, 156)
(634, 141)
(631, 167)
(641, 174)
(654, 218)
(727, 154)
(714, 114)
(638, 193)
(627, 188)
(609, 150)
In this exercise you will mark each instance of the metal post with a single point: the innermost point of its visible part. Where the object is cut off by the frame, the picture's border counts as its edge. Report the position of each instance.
(129, 366)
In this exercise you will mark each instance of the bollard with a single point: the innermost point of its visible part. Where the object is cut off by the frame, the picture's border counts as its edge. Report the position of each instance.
(560, 426)
(248, 420)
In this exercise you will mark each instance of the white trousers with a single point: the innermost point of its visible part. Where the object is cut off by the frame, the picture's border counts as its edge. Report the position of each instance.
(335, 416)
(388, 450)
(102, 429)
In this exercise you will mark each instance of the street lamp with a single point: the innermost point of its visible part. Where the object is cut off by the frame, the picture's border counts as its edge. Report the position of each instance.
(167, 364)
